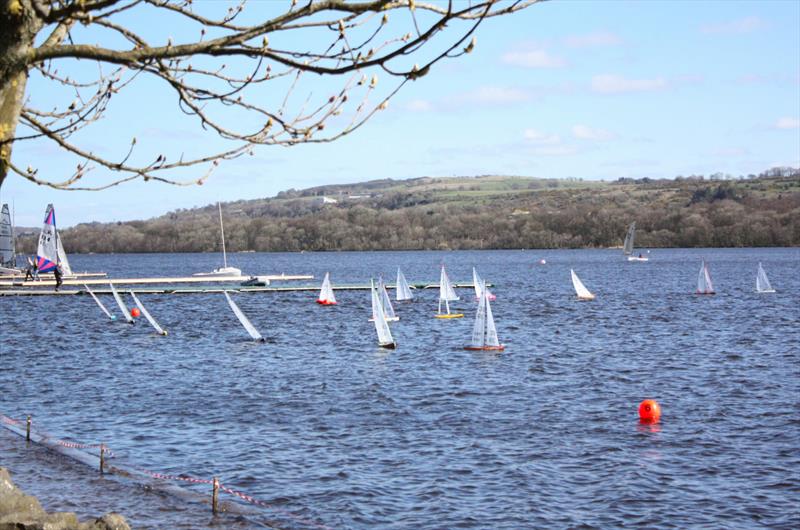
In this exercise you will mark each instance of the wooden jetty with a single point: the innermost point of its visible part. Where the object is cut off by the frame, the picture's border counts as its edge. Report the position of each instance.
(151, 281)
(142, 286)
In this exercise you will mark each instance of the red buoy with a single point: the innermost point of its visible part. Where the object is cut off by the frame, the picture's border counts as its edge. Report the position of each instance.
(649, 411)
(135, 312)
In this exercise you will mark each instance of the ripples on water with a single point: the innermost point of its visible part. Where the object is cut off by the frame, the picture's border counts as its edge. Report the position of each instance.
(322, 424)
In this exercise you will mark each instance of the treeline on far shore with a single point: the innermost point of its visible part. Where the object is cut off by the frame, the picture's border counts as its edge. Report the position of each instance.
(489, 212)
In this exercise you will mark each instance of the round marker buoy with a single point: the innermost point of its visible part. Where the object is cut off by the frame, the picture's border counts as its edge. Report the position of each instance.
(649, 411)
(135, 312)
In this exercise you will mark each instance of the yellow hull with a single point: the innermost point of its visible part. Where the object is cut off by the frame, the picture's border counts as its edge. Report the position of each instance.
(451, 315)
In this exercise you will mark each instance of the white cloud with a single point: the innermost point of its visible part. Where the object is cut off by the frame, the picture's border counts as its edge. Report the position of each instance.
(495, 95)
(741, 25)
(787, 123)
(591, 40)
(614, 84)
(419, 105)
(584, 132)
(533, 59)
(540, 138)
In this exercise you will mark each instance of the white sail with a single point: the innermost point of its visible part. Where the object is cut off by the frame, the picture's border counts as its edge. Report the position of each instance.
(581, 290)
(66, 270)
(479, 328)
(121, 304)
(484, 332)
(99, 303)
(386, 303)
(704, 285)
(403, 290)
(7, 252)
(326, 296)
(385, 339)
(627, 248)
(47, 251)
(147, 315)
(251, 329)
(491, 330)
(479, 286)
(762, 282)
(446, 291)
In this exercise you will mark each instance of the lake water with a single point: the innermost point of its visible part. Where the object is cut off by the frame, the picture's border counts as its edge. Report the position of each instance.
(331, 431)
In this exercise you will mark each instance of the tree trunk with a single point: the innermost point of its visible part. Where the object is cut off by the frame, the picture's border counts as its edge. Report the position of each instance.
(20, 26)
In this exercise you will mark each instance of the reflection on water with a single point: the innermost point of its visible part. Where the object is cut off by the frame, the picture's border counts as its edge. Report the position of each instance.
(331, 430)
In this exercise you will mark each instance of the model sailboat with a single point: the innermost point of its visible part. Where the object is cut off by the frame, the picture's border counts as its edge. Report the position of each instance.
(385, 339)
(484, 332)
(580, 289)
(403, 290)
(251, 329)
(479, 285)
(147, 315)
(224, 270)
(384, 305)
(99, 303)
(627, 248)
(326, 296)
(8, 256)
(704, 285)
(128, 318)
(446, 295)
(762, 282)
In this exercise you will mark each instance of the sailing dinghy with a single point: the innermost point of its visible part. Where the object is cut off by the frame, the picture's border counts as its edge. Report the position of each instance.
(580, 289)
(627, 247)
(385, 305)
(326, 296)
(47, 251)
(251, 329)
(99, 303)
(385, 339)
(479, 285)
(484, 333)
(128, 318)
(446, 295)
(224, 270)
(147, 315)
(762, 282)
(704, 285)
(403, 290)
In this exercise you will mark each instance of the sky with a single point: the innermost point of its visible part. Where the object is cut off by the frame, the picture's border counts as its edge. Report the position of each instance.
(586, 89)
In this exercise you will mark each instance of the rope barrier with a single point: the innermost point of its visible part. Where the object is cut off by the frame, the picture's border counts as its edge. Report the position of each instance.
(162, 476)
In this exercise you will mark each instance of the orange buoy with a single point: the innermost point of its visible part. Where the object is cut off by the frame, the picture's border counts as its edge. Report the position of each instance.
(649, 411)
(135, 312)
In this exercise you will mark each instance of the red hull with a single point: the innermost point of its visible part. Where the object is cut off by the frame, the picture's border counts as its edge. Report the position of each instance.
(325, 302)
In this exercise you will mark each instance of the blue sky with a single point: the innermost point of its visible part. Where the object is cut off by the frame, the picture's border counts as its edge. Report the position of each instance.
(596, 90)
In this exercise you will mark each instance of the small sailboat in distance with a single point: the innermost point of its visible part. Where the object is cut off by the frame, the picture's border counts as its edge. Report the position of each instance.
(8, 255)
(446, 295)
(704, 285)
(762, 282)
(479, 285)
(384, 304)
(47, 251)
(225, 270)
(580, 289)
(484, 332)
(326, 296)
(627, 247)
(385, 339)
(403, 290)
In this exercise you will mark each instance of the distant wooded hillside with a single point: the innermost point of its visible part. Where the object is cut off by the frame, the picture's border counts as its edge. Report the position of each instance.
(472, 213)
